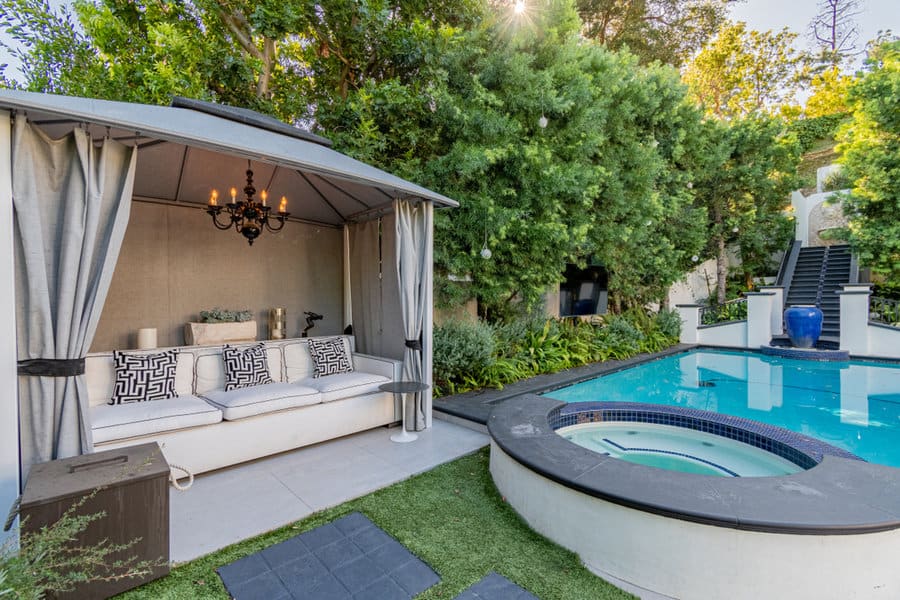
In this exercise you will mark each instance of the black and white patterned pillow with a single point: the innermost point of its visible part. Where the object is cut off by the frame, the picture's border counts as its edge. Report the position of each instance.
(245, 367)
(142, 377)
(329, 356)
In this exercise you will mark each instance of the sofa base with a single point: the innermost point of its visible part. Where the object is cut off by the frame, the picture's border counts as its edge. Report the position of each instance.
(211, 447)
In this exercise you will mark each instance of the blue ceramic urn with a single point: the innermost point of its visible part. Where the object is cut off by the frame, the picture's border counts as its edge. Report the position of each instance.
(804, 325)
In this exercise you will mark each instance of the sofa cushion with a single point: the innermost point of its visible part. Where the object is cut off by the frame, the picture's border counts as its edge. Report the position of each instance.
(245, 367)
(298, 363)
(343, 385)
(144, 377)
(330, 356)
(256, 400)
(145, 418)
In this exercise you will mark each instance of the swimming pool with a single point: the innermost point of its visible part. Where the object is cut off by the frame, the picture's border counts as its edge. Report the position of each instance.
(854, 405)
(677, 449)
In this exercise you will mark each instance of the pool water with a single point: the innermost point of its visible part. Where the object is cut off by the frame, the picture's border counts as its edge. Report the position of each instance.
(854, 405)
(677, 449)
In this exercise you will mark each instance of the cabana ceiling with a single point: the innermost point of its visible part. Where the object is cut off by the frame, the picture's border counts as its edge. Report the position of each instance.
(184, 153)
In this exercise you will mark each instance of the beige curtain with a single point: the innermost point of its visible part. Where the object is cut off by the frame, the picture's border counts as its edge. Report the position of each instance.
(413, 226)
(71, 199)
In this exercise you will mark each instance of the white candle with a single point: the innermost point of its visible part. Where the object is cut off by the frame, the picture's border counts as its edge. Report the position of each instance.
(146, 338)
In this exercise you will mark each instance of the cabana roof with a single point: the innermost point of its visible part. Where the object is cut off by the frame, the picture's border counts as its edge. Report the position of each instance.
(184, 152)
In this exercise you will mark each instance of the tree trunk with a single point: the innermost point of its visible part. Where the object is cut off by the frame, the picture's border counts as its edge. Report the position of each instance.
(721, 269)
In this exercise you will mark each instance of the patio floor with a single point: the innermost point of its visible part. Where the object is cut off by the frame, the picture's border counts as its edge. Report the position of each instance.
(233, 504)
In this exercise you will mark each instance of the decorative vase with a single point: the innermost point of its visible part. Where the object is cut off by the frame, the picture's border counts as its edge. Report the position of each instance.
(804, 325)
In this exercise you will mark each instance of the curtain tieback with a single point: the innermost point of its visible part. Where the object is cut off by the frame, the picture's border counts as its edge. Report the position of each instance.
(414, 344)
(51, 367)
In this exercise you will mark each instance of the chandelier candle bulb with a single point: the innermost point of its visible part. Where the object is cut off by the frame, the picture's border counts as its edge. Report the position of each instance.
(214, 198)
(264, 194)
(233, 195)
(283, 206)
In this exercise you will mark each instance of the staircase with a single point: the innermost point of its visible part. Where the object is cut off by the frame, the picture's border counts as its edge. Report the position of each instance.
(819, 273)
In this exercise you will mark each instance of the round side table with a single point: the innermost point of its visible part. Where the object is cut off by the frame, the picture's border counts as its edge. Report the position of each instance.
(398, 388)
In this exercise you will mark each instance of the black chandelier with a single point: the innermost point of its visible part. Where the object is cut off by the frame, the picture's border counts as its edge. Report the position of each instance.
(248, 217)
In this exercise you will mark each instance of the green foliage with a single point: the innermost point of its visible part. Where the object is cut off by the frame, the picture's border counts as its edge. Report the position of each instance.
(829, 94)
(527, 347)
(810, 130)
(461, 347)
(669, 323)
(870, 146)
(741, 72)
(750, 167)
(221, 315)
(669, 31)
(51, 561)
(733, 310)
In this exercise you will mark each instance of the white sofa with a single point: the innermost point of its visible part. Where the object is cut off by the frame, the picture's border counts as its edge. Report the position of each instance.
(205, 428)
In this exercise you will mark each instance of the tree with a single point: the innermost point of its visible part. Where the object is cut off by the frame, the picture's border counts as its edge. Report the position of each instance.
(870, 157)
(748, 168)
(829, 94)
(288, 59)
(743, 72)
(833, 29)
(666, 30)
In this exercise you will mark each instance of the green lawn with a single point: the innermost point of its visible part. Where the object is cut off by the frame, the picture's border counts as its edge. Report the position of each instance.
(452, 517)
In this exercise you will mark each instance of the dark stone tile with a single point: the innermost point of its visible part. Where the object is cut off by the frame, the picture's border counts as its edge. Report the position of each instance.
(391, 556)
(242, 569)
(369, 539)
(321, 536)
(494, 586)
(328, 589)
(353, 523)
(304, 573)
(284, 552)
(383, 589)
(265, 587)
(338, 553)
(359, 574)
(415, 577)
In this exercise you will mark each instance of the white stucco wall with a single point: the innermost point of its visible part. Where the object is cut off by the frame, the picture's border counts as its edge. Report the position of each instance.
(686, 560)
(732, 335)
(884, 342)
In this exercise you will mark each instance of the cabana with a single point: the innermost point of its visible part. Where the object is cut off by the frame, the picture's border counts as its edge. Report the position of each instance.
(106, 221)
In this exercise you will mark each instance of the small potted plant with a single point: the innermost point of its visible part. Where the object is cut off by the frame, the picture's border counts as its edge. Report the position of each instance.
(220, 326)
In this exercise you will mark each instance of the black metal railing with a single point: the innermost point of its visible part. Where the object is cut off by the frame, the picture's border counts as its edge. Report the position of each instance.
(884, 310)
(729, 312)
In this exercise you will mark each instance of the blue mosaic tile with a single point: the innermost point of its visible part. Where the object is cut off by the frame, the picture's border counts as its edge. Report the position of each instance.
(804, 451)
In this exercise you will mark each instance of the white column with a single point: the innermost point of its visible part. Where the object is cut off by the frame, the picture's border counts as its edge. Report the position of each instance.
(428, 326)
(690, 320)
(855, 318)
(9, 397)
(759, 318)
(777, 307)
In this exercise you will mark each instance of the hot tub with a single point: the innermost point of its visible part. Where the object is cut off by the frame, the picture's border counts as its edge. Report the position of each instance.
(829, 530)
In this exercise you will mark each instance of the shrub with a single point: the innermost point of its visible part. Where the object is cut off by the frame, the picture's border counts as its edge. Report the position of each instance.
(669, 323)
(462, 350)
(809, 131)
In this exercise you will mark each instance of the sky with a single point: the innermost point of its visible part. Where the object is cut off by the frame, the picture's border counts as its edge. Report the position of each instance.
(796, 15)
(762, 15)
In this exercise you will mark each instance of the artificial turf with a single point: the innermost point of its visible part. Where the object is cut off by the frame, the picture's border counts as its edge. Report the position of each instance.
(452, 517)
